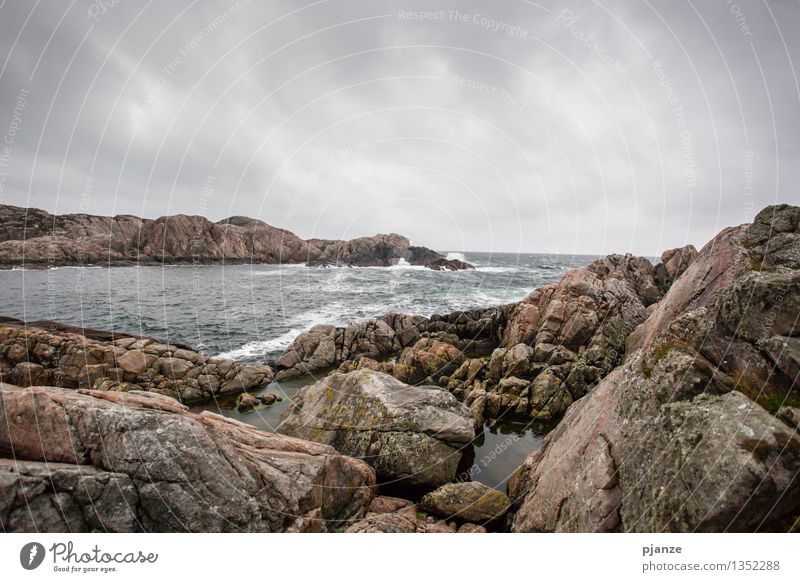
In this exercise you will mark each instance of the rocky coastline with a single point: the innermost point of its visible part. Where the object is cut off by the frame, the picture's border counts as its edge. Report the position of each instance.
(34, 238)
(673, 391)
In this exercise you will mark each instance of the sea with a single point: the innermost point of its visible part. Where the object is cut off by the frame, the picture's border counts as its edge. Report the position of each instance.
(252, 312)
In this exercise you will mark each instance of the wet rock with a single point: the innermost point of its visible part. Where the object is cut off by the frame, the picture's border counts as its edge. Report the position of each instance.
(269, 399)
(247, 402)
(408, 434)
(137, 461)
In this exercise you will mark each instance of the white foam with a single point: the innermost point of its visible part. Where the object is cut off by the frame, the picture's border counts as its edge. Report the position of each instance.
(497, 269)
(402, 265)
(262, 347)
(455, 257)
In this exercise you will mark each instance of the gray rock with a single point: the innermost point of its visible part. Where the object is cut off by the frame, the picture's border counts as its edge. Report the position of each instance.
(791, 415)
(470, 501)
(407, 433)
(324, 346)
(115, 461)
(35, 355)
(677, 438)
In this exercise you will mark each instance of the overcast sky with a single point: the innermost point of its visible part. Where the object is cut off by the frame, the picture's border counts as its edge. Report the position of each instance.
(575, 126)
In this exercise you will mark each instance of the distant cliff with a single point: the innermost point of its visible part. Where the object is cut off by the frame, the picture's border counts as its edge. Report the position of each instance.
(35, 238)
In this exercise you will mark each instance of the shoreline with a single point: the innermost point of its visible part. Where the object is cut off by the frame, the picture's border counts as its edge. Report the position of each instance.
(645, 373)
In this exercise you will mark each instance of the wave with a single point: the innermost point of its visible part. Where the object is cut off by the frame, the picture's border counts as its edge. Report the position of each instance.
(402, 265)
(278, 269)
(262, 347)
(456, 257)
(497, 269)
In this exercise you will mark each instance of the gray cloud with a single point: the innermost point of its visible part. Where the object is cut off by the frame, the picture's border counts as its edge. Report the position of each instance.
(511, 126)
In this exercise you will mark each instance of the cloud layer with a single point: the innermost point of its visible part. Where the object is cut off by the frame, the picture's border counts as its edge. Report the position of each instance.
(510, 126)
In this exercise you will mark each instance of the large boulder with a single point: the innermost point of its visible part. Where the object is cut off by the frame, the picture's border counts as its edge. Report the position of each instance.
(428, 358)
(470, 501)
(682, 436)
(409, 434)
(124, 462)
(677, 260)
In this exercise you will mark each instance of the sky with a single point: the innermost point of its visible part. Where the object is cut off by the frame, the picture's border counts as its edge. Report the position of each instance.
(508, 126)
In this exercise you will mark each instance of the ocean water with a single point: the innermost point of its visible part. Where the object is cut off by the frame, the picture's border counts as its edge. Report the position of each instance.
(252, 312)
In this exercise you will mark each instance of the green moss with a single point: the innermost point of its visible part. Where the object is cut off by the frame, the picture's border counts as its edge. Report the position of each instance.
(771, 402)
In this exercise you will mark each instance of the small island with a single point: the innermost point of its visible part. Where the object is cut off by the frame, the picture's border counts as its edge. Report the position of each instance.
(34, 238)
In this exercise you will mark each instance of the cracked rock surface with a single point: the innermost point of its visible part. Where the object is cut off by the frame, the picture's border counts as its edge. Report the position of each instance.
(683, 436)
(124, 462)
(52, 355)
(410, 433)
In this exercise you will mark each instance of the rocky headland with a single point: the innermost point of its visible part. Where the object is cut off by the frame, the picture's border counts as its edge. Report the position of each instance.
(672, 391)
(44, 353)
(34, 238)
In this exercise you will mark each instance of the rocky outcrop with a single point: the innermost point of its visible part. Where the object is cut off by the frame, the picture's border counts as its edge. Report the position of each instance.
(470, 501)
(408, 434)
(682, 436)
(425, 361)
(327, 346)
(127, 462)
(673, 264)
(35, 238)
(559, 342)
(546, 351)
(50, 355)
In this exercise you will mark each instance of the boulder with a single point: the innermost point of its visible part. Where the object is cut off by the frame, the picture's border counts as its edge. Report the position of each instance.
(428, 358)
(676, 261)
(410, 434)
(469, 501)
(682, 436)
(138, 461)
(247, 402)
(134, 361)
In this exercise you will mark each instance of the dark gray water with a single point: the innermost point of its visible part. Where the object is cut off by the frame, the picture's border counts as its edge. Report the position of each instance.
(252, 312)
